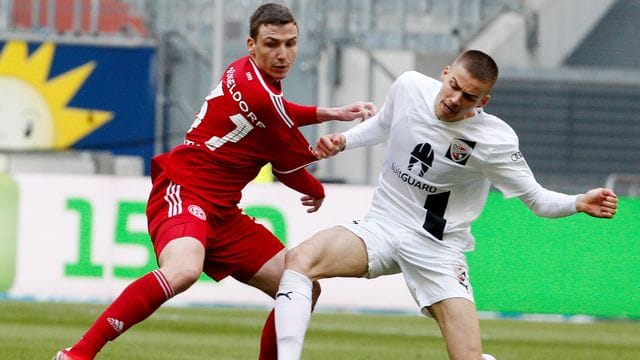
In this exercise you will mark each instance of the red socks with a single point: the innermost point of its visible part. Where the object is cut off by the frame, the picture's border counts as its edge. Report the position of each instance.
(136, 302)
(268, 341)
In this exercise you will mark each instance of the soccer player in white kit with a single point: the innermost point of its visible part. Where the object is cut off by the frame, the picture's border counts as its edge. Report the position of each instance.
(443, 153)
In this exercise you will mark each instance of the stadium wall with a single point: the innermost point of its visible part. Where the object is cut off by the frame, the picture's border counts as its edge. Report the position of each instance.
(83, 238)
(530, 37)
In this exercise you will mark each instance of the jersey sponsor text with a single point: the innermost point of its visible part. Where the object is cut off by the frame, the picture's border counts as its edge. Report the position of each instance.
(236, 95)
(406, 177)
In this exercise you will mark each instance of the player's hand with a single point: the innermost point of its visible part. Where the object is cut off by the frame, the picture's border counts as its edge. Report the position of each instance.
(313, 203)
(600, 203)
(329, 145)
(358, 110)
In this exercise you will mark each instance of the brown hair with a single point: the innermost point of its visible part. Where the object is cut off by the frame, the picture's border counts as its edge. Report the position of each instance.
(480, 65)
(270, 13)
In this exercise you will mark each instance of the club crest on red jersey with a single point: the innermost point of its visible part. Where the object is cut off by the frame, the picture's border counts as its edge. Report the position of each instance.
(460, 150)
(196, 211)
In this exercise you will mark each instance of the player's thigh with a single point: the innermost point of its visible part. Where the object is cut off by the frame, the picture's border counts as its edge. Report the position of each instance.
(333, 252)
(177, 227)
(458, 322)
(268, 277)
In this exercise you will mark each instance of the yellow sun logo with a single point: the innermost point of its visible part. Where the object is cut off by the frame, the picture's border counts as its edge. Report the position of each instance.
(33, 108)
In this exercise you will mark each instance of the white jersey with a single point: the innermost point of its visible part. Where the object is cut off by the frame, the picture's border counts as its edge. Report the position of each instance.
(436, 175)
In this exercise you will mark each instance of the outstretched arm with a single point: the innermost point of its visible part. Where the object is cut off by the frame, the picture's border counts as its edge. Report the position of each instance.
(307, 115)
(600, 203)
(357, 110)
(370, 132)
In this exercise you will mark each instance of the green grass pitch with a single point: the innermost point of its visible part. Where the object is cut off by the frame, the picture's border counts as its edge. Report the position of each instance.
(30, 330)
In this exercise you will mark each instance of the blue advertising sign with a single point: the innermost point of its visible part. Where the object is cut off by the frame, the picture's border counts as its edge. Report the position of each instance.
(78, 96)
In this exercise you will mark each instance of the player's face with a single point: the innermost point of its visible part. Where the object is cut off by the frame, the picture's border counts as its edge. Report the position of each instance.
(275, 49)
(460, 94)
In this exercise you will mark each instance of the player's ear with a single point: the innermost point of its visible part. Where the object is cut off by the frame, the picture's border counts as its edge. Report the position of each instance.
(251, 46)
(445, 72)
(484, 101)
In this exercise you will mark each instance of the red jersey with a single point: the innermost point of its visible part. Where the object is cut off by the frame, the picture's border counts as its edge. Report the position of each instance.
(243, 124)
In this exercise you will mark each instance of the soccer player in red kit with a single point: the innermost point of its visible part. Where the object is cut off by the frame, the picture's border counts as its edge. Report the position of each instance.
(194, 219)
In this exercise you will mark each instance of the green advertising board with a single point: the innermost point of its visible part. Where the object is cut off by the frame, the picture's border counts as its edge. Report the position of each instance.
(523, 264)
(573, 265)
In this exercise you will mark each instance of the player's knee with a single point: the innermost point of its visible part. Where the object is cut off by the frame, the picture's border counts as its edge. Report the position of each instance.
(182, 278)
(299, 259)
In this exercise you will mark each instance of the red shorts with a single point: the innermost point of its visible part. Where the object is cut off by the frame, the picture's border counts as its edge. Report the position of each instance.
(235, 244)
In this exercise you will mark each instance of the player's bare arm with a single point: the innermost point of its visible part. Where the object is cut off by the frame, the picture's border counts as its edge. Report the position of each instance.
(357, 110)
(600, 203)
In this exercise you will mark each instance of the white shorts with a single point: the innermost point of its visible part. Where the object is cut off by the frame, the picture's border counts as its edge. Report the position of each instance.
(432, 271)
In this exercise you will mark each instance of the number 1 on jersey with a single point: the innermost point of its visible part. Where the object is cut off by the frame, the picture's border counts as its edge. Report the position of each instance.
(434, 221)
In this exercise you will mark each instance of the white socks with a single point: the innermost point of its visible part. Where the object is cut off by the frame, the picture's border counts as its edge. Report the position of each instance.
(292, 314)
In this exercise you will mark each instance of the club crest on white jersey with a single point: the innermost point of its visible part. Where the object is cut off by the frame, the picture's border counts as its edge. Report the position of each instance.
(460, 150)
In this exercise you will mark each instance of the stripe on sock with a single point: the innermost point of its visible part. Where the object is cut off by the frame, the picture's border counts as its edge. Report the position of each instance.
(168, 291)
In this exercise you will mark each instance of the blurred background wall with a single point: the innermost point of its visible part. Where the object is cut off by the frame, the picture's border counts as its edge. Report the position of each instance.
(570, 75)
